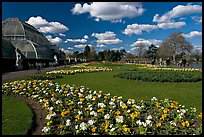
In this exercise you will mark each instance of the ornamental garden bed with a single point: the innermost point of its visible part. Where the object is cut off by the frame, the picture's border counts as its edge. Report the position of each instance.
(80, 110)
(160, 75)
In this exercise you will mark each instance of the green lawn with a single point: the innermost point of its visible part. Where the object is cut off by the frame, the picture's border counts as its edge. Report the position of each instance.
(188, 94)
(16, 116)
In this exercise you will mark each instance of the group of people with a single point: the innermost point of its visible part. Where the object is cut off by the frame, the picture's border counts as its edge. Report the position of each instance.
(183, 63)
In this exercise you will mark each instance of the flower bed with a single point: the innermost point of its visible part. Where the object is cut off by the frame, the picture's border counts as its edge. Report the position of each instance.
(79, 110)
(46, 76)
(155, 67)
(87, 69)
(160, 76)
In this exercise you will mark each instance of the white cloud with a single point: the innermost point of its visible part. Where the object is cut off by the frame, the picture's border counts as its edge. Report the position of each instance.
(61, 34)
(193, 34)
(138, 28)
(55, 40)
(110, 11)
(69, 48)
(106, 38)
(170, 25)
(76, 40)
(82, 45)
(117, 48)
(197, 19)
(47, 27)
(109, 41)
(178, 11)
(146, 42)
(65, 51)
(100, 46)
(86, 37)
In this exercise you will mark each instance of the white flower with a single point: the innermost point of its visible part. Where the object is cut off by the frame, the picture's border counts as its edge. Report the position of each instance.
(80, 112)
(133, 101)
(76, 126)
(139, 122)
(112, 129)
(183, 110)
(68, 122)
(107, 116)
(72, 88)
(82, 90)
(91, 122)
(144, 124)
(149, 117)
(102, 105)
(129, 102)
(80, 95)
(83, 126)
(45, 129)
(111, 103)
(119, 119)
(128, 111)
(154, 99)
(50, 108)
(58, 102)
(148, 121)
(120, 97)
(173, 123)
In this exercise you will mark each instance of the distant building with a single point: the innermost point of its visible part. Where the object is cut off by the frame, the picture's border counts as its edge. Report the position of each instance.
(24, 46)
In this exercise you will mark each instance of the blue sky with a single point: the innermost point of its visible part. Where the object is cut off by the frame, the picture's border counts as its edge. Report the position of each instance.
(109, 25)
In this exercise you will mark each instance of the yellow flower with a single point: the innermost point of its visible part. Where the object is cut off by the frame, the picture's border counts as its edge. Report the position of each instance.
(105, 97)
(187, 123)
(46, 100)
(50, 112)
(133, 115)
(200, 115)
(165, 110)
(158, 104)
(125, 128)
(117, 112)
(141, 101)
(53, 94)
(60, 126)
(93, 129)
(65, 112)
(158, 125)
(48, 123)
(81, 99)
(124, 107)
(163, 116)
(71, 103)
(77, 117)
(183, 123)
(100, 110)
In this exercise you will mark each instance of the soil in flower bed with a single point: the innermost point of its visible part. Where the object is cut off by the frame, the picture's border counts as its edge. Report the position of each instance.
(39, 115)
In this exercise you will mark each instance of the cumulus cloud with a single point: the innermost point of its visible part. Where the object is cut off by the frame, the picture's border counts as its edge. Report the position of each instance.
(110, 11)
(170, 25)
(86, 37)
(138, 28)
(120, 48)
(69, 48)
(106, 38)
(197, 19)
(146, 42)
(193, 34)
(82, 46)
(65, 50)
(61, 34)
(55, 40)
(46, 27)
(100, 46)
(178, 11)
(76, 40)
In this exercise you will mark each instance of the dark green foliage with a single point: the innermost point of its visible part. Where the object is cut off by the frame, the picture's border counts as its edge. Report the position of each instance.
(160, 76)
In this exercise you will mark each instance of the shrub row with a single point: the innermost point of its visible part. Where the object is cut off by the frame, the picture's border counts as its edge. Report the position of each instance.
(160, 76)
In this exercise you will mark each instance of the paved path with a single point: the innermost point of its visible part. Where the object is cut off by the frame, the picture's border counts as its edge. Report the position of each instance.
(25, 73)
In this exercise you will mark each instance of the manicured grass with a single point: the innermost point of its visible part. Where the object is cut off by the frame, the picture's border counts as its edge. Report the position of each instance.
(16, 116)
(188, 93)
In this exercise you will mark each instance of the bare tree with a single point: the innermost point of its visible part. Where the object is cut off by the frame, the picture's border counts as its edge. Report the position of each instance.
(177, 44)
(140, 48)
